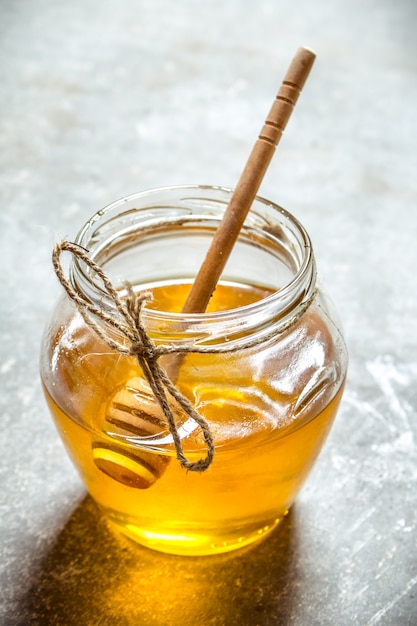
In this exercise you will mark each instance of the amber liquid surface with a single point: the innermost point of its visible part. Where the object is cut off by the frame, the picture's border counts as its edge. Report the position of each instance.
(263, 452)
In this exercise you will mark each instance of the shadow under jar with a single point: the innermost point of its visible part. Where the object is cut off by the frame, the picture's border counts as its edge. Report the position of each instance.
(269, 390)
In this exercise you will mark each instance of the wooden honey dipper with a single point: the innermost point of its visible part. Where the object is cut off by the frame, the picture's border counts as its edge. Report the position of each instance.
(127, 409)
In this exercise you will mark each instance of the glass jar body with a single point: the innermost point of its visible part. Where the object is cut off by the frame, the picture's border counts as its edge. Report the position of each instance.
(265, 367)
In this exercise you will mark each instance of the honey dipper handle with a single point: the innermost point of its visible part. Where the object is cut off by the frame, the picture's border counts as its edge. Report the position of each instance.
(249, 182)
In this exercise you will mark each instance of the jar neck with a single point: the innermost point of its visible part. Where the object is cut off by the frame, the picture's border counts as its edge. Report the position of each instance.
(162, 235)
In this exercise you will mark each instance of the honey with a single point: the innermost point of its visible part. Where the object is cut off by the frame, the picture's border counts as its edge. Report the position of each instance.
(264, 449)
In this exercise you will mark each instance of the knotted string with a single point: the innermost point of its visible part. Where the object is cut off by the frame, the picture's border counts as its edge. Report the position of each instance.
(138, 344)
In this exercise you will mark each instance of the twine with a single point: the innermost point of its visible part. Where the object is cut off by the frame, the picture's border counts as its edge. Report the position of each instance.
(147, 353)
(139, 344)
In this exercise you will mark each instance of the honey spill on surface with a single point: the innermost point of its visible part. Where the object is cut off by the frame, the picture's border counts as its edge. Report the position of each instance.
(262, 454)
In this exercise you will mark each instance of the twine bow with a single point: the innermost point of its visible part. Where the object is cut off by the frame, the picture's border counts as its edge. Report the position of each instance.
(138, 344)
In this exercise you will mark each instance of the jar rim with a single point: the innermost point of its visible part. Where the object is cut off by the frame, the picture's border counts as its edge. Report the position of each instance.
(296, 291)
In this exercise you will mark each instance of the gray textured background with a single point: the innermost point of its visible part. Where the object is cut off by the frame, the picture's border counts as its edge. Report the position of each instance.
(101, 99)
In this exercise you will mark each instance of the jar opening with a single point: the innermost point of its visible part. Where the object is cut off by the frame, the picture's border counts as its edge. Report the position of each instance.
(161, 236)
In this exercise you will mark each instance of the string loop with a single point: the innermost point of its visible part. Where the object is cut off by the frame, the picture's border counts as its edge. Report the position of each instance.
(139, 344)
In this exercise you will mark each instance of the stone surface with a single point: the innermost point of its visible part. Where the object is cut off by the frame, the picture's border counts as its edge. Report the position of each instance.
(101, 99)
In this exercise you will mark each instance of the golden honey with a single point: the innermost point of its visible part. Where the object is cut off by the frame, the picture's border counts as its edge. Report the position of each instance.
(262, 454)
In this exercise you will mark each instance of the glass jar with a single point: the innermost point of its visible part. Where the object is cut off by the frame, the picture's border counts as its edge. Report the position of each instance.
(264, 366)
